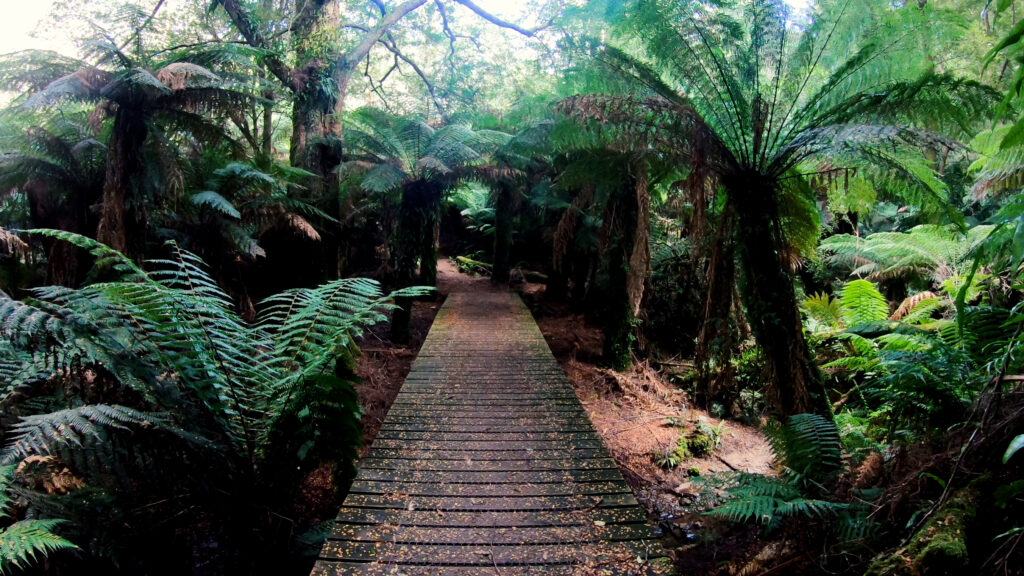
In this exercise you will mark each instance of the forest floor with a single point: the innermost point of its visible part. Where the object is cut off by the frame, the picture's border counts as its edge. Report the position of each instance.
(637, 413)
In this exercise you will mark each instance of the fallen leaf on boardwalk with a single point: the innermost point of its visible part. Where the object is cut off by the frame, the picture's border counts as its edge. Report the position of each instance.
(599, 522)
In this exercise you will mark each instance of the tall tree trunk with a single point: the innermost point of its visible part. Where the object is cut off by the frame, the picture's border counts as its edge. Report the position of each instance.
(640, 256)
(771, 299)
(417, 199)
(124, 160)
(717, 337)
(431, 230)
(619, 235)
(504, 215)
(317, 105)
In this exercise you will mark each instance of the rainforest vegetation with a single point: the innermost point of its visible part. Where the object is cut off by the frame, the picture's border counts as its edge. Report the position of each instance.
(809, 215)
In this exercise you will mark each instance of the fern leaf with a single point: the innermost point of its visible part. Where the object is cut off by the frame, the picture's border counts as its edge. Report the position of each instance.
(42, 433)
(28, 541)
(862, 303)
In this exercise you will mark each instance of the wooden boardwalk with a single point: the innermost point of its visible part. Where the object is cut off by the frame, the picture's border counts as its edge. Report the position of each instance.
(487, 464)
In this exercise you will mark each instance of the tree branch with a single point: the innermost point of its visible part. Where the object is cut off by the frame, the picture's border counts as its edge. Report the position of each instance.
(390, 45)
(498, 21)
(138, 32)
(252, 35)
(347, 62)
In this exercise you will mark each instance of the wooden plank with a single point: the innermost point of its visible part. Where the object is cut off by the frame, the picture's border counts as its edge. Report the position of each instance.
(488, 436)
(487, 446)
(461, 535)
(587, 458)
(483, 554)
(487, 490)
(490, 477)
(629, 515)
(405, 502)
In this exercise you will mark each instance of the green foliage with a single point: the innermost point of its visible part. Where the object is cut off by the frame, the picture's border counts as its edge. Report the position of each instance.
(25, 541)
(925, 255)
(29, 541)
(809, 449)
(862, 303)
(769, 501)
(261, 395)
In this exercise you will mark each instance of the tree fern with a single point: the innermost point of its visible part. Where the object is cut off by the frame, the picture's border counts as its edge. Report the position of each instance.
(198, 374)
(38, 434)
(24, 541)
(862, 303)
(808, 447)
(769, 501)
(29, 541)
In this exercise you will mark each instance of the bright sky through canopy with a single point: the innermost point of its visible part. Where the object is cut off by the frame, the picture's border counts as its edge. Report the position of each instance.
(21, 18)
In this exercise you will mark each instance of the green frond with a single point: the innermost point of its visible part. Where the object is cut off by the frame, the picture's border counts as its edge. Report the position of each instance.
(42, 433)
(32, 70)
(768, 501)
(809, 447)
(28, 541)
(862, 303)
(215, 201)
(824, 312)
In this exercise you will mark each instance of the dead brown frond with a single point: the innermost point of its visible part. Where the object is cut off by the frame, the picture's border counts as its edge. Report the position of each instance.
(302, 226)
(566, 230)
(12, 245)
(908, 305)
(182, 75)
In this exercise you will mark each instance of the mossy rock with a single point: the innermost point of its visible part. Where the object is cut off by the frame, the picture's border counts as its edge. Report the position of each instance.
(700, 444)
(694, 471)
(939, 548)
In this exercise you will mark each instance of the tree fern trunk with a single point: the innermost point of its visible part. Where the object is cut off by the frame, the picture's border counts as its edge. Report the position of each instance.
(415, 230)
(770, 299)
(620, 230)
(503, 218)
(717, 336)
(124, 159)
(430, 227)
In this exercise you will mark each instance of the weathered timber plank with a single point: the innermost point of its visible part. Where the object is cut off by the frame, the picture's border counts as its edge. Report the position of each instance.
(487, 490)
(461, 535)
(405, 502)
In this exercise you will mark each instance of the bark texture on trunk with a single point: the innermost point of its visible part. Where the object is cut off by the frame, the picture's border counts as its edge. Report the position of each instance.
(620, 230)
(415, 229)
(504, 216)
(771, 299)
(717, 335)
(640, 257)
(124, 160)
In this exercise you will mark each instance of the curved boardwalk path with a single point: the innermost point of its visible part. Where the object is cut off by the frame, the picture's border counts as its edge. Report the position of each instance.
(487, 464)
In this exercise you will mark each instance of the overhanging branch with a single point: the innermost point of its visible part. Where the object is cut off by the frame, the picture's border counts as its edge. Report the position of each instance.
(498, 21)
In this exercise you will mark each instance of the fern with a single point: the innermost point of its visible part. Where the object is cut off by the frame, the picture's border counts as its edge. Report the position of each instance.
(825, 313)
(808, 447)
(862, 303)
(28, 541)
(24, 541)
(39, 434)
(769, 501)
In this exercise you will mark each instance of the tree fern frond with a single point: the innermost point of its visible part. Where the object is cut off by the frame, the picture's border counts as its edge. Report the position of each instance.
(42, 433)
(809, 447)
(29, 541)
(215, 201)
(862, 303)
